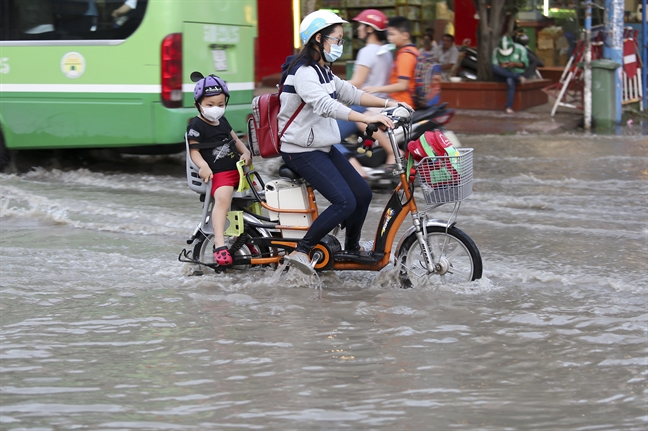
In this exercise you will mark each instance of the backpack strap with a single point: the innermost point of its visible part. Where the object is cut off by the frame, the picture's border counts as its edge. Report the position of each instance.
(301, 106)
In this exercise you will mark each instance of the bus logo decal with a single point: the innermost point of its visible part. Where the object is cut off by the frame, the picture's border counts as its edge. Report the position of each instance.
(222, 34)
(72, 65)
(4, 65)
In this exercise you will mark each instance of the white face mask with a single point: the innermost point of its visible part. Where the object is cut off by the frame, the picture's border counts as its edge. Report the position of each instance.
(336, 52)
(213, 114)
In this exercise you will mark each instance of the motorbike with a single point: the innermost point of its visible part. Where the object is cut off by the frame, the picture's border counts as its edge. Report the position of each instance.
(267, 221)
(372, 156)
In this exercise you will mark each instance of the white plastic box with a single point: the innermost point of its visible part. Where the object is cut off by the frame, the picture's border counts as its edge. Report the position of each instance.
(284, 194)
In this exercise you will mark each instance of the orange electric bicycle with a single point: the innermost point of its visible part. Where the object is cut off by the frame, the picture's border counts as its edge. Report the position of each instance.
(268, 219)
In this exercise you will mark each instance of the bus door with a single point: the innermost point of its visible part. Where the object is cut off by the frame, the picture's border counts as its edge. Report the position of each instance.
(224, 50)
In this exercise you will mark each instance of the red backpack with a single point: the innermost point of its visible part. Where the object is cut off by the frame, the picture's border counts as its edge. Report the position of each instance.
(263, 127)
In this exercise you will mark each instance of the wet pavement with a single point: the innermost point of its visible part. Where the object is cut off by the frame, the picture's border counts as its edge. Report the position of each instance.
(536, 120)
(101, 328)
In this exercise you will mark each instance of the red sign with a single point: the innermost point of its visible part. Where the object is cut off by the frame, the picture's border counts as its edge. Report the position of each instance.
(629, 58)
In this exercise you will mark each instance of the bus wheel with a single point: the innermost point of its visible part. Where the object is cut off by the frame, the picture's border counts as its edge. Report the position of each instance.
(5, 156)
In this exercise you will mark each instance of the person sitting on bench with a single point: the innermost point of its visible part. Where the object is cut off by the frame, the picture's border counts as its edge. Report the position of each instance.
(509, 62)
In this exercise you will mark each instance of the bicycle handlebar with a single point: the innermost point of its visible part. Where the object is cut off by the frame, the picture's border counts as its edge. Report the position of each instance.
(400, 115)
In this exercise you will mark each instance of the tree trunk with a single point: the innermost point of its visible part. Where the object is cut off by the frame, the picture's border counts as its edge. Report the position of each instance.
(491, 22)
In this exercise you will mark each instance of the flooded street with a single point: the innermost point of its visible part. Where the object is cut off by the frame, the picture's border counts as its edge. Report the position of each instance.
(103, 329)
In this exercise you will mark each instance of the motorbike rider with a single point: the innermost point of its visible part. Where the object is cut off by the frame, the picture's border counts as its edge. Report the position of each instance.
(401, 85)
(372, 67)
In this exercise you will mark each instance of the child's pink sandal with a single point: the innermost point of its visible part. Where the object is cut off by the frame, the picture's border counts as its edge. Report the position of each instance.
(222, 256)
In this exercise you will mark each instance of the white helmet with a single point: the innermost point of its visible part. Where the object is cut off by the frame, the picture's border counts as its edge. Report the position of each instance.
(316, 21)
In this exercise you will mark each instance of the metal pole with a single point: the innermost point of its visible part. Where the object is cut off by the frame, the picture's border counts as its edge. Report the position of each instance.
(587, 94)
(613, 46)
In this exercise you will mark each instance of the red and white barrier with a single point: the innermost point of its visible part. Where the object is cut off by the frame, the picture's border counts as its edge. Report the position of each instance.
(631, 73)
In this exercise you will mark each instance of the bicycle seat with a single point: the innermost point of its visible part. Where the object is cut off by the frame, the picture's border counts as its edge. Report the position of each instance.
(193, 179)
(286, 172)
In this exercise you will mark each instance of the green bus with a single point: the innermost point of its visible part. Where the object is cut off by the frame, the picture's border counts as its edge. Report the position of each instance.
(116, 73)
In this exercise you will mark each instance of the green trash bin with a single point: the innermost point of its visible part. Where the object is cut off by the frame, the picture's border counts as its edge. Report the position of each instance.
(349, 69)
(603, 92)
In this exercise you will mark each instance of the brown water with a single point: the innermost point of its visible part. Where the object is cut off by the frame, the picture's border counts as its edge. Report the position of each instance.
(103, 329)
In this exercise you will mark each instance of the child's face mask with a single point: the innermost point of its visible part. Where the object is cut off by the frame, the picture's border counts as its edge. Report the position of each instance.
(213, 113)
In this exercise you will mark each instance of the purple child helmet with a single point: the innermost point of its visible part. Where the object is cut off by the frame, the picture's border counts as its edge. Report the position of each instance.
(210, 85)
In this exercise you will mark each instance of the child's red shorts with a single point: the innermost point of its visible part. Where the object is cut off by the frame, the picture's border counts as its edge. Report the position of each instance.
(227, 178)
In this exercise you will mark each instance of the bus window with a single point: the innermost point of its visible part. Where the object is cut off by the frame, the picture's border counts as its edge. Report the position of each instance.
(26, 20)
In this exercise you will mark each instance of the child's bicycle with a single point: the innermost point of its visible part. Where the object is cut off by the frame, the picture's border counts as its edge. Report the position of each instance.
(431, 247)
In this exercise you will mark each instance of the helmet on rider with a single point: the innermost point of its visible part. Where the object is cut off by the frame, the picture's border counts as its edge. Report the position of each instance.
(522, 39)
(210, 85)
(505, 45)
(373, 18)
(316, 21)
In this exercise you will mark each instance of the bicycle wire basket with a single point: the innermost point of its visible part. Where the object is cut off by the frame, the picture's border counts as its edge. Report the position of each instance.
(446, 179)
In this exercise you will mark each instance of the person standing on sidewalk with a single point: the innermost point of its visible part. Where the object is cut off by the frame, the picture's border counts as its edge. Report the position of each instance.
(509, 62)
(428, 44)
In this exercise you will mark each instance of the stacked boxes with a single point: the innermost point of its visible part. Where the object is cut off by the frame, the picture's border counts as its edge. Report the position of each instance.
(552, 47)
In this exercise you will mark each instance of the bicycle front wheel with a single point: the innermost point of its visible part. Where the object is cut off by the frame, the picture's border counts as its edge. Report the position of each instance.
(455, 257)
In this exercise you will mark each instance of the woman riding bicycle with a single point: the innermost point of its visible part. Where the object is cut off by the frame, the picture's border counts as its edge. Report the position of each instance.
(307, 146)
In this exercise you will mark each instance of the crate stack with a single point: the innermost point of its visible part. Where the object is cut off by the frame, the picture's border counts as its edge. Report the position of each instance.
(552, 47)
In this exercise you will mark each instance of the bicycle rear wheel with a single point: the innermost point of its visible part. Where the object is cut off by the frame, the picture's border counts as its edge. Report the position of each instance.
(455, 256)
(203, 249)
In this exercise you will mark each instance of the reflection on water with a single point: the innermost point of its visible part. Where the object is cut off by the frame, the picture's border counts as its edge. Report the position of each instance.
(102, 328)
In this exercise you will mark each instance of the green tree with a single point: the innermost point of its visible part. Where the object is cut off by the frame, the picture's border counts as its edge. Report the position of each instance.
(496, 18)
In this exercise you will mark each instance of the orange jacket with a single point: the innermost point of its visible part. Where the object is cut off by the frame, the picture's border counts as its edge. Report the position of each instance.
(404, 67)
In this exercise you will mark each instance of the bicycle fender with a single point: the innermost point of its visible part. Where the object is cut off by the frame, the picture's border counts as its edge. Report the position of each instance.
(412, 231)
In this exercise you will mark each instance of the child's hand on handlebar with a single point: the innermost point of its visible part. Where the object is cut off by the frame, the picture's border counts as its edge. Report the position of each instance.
(379, 118)
(247, 157)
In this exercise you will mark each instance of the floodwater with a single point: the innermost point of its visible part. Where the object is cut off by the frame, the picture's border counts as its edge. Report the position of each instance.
(103, 329)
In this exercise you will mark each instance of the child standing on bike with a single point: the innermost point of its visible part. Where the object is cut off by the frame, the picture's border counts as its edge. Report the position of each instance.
(215, 149)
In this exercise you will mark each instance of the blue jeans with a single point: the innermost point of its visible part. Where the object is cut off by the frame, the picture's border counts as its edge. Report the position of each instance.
(511, 79)
(344, 151)
(349, 194)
